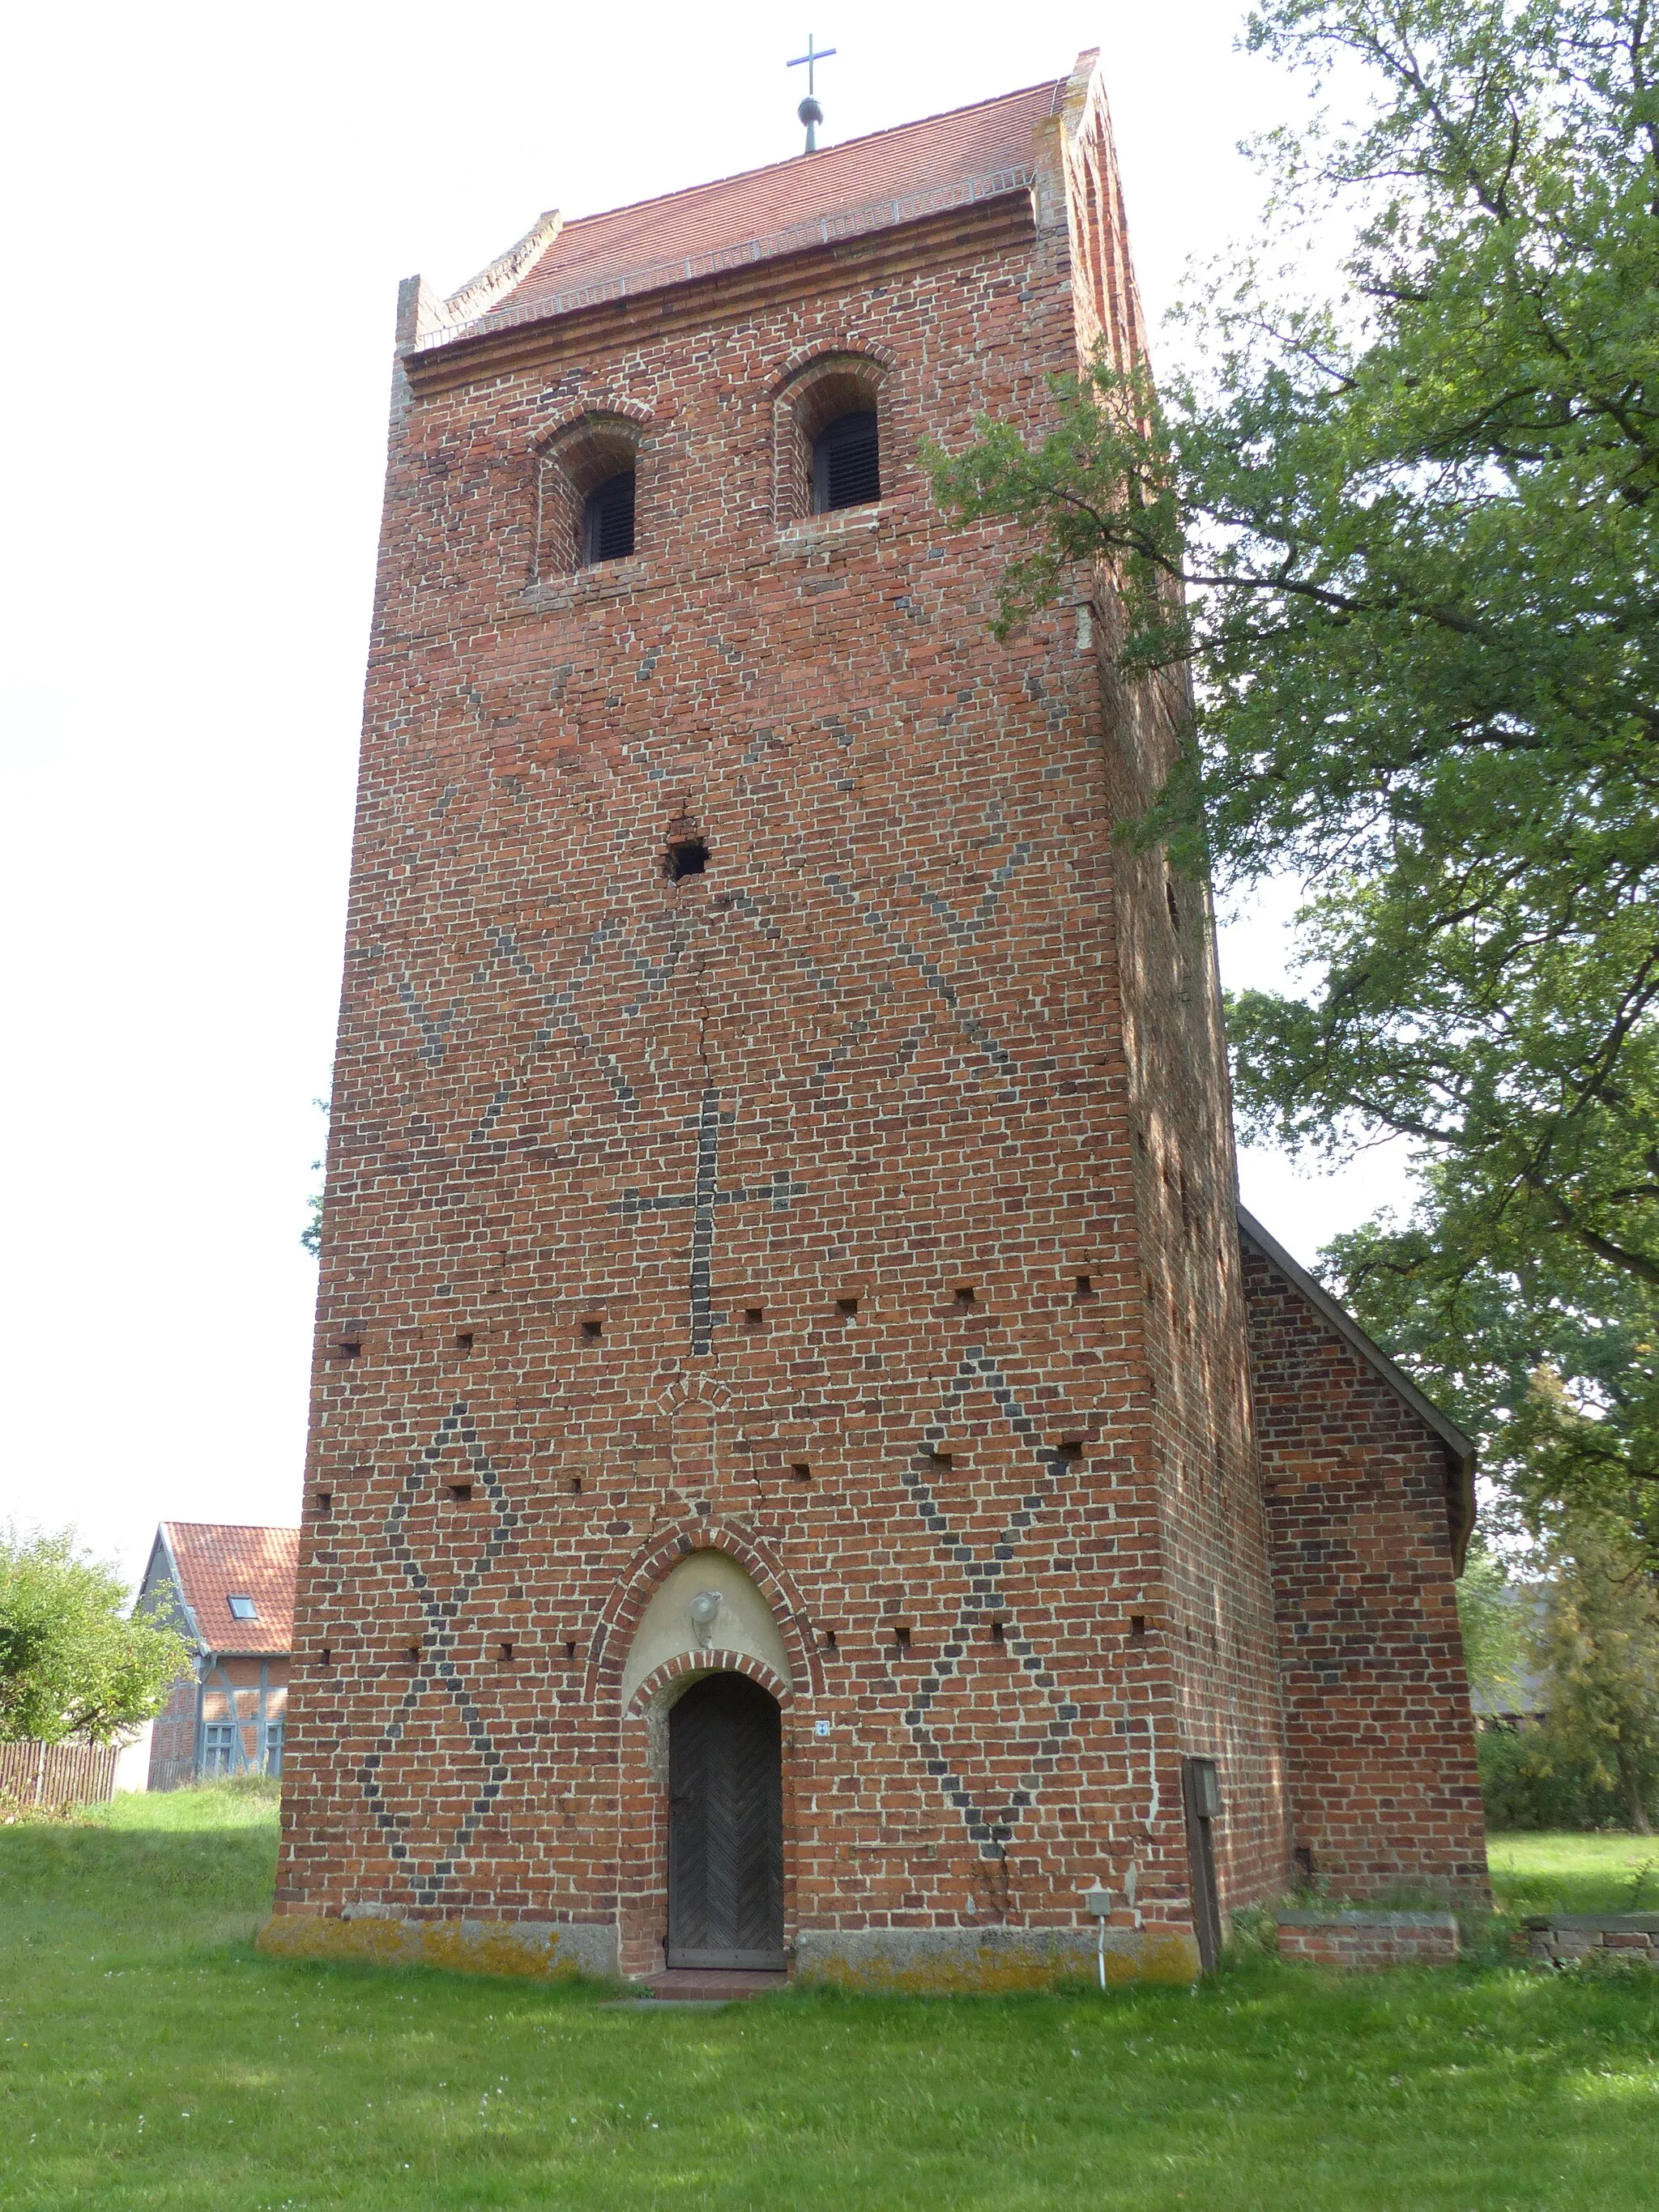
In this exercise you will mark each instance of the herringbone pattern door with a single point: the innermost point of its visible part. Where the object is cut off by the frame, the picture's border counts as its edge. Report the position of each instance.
(725, 1827)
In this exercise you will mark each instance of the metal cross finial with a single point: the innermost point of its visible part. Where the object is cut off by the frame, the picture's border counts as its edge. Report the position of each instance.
(809, 111)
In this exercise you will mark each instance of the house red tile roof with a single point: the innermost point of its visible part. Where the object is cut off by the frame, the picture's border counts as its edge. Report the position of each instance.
(215, 1561)
(864, 185)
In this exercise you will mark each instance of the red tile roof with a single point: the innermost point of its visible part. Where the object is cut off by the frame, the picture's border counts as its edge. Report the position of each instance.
(216, 1561)
(866, 184)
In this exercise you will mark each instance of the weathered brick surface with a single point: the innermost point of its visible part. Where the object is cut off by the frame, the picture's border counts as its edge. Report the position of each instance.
(922, 1038)
(173, 1738)
(1380, 1775)
(1363, 1941)
(1631, 1938)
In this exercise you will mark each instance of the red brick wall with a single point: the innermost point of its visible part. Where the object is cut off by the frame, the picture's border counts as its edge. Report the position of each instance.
(925, 1018)
(1382, 1788)
(172, 1740)
(1210, 1603)
(1363, 1941)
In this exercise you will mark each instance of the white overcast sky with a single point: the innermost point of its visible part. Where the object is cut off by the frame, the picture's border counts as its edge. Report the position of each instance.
(206, 212)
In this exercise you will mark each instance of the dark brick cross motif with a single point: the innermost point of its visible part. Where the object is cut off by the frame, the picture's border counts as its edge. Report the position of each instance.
(704, 1199)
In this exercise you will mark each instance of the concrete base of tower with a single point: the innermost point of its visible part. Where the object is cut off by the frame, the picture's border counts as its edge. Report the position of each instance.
(537, 1950)
(990, 1959)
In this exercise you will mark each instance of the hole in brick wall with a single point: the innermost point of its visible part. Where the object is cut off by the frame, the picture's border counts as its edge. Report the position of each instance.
(1302, 1855)
(1085, 1286)
(461, 1492)
(1137, 1627)
(464, 1341)
(412, 1658)
(570, 1647)
(902, 1637)
(324, 1504)
(944, 1460)
(999, 1632)
(325, 1658)
(575, 1485)
(846, 1308)
(506, 1651)
(966, 1296)
(829, 1639)
(1070, 1449)
(686, 856)
(352, 1348)
(754, 1317)
(593, 1331)
(801, 1471)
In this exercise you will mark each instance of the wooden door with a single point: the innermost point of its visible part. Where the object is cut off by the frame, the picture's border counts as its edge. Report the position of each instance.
(725, 1825)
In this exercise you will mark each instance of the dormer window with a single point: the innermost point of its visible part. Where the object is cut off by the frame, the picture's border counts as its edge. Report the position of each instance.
(608, 520)
(242, 1607)
(847, 462)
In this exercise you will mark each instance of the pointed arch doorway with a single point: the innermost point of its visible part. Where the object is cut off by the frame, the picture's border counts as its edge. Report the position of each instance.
(725, 1827)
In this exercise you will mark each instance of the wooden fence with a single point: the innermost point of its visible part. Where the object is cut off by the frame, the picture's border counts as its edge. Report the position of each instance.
(58, 1773)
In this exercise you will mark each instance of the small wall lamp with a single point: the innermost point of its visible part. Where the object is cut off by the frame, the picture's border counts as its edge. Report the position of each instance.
(1098, 1904)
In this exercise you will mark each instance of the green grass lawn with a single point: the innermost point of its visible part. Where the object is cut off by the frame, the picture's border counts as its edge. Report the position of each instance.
(149, 2058)
(1575, 1874)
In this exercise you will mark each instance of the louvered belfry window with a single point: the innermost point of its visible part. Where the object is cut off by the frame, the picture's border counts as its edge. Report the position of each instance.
(846, 463)
(608, 520)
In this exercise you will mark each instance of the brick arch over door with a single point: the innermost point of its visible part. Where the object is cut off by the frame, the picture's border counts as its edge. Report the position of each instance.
(623, 1612)
(692, 1665)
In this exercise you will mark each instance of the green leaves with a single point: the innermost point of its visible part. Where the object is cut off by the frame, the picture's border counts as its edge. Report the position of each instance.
(1598, 1645)
(1098, 487)
(1406, 539)
(71, 1663)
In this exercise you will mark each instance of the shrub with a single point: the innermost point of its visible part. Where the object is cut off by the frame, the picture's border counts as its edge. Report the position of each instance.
(1532, 1778)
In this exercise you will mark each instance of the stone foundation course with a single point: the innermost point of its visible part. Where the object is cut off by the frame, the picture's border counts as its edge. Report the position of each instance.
(1571, 1937)
(524, 1949)
(989, 1960)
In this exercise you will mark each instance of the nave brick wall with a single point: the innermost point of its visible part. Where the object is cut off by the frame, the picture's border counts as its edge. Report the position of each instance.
(1381, 1783)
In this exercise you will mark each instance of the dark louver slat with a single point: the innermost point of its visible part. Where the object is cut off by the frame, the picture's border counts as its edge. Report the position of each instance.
(846, 463)
(608, 521)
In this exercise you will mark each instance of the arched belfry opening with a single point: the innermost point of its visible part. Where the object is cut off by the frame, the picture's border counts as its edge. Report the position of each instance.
(586, 496)
(725, 1827)
(829, 430)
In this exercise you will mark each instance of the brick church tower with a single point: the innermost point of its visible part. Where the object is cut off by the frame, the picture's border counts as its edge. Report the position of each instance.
(784, 1484)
